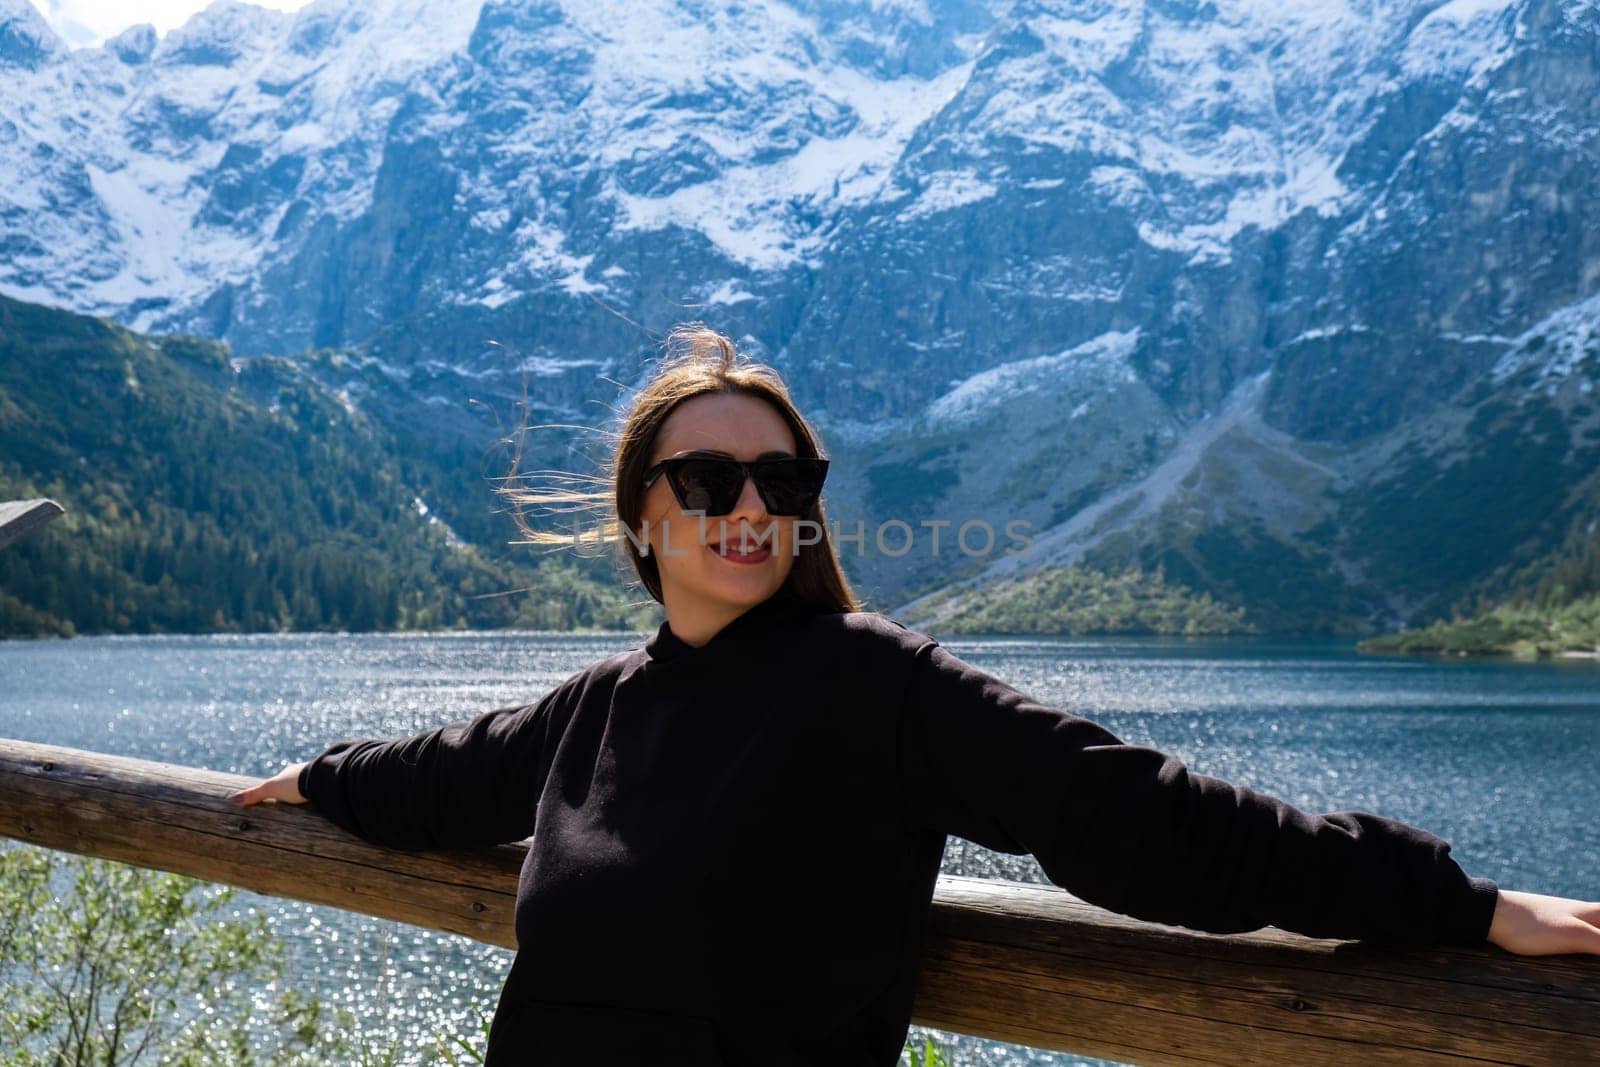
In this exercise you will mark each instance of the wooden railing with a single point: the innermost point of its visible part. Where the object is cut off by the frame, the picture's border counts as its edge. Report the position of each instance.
(1018, 963)
(19, 518)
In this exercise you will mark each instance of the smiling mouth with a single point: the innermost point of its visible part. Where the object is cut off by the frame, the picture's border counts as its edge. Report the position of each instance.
(731, 551)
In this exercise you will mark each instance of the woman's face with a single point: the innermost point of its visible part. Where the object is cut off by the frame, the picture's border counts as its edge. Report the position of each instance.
(699, 560)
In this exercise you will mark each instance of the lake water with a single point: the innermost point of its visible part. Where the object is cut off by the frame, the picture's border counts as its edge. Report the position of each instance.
(1498, 758)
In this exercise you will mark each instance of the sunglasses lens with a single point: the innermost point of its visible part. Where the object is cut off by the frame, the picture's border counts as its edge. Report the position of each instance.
(709, 485)
(790, 486)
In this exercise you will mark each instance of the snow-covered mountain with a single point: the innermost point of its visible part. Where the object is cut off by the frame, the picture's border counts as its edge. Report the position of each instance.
(1017, 257)
(143, 177)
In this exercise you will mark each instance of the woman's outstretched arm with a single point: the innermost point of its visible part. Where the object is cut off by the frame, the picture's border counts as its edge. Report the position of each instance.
(1131, 829)
(465, 784)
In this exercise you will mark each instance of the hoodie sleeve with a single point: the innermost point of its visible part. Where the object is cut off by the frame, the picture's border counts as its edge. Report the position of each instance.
(465, 784)
(1131, 829)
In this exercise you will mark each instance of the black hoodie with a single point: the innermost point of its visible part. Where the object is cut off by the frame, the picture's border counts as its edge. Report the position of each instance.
(734, 847)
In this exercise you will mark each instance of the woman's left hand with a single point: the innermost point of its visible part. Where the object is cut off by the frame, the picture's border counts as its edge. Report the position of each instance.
(1530, 924)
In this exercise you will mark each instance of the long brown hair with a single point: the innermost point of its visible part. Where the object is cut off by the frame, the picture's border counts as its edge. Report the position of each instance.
(698, 360)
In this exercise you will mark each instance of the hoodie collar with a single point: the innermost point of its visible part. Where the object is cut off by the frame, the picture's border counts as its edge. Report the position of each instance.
(665, 646)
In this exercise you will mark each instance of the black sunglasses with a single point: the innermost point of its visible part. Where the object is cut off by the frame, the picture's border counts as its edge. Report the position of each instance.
(712, 485)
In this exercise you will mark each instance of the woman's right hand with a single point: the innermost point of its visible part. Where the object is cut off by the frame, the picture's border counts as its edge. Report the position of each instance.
(283, 787)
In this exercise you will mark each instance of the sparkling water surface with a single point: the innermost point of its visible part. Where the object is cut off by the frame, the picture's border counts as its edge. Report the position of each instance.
(1499, 758)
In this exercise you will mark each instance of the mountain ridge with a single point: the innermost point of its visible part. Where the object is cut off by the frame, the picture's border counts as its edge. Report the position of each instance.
(1356, 211)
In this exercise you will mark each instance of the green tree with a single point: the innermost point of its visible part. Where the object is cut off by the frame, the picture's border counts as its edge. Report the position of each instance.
(109, 964)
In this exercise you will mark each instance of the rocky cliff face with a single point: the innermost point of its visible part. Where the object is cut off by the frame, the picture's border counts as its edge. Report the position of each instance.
(1172, 283)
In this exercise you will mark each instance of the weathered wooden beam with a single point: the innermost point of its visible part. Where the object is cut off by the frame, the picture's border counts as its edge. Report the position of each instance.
(19, 518)
(179, 819)
(1020, 963)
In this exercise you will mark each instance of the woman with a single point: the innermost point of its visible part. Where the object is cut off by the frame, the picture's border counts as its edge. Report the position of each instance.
(736, 829)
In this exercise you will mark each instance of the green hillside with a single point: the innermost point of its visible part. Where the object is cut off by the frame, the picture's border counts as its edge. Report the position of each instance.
(1523, 631)
(208, 493)
(1073, 601)
(1550, 606)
